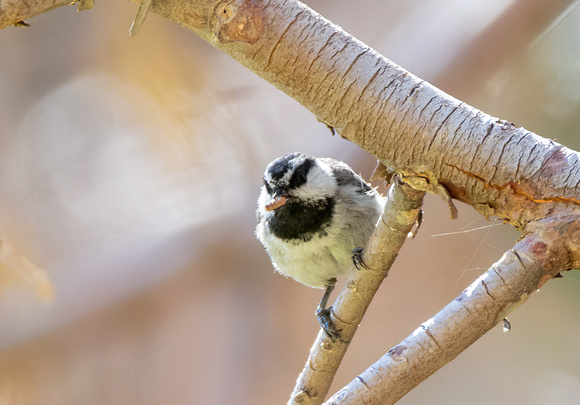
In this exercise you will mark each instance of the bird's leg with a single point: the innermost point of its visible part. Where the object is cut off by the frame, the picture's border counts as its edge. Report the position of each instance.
(327, 292)
(323, 313)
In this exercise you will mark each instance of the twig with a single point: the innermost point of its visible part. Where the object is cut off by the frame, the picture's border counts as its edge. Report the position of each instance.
(140, 17)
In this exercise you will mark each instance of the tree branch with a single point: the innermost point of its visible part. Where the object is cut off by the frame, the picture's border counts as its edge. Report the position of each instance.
(401, 212)
(15, 11)
(535, 259)
(433, 141)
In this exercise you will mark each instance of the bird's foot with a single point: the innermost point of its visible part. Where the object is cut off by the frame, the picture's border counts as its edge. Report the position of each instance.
(323, 316)
(357, 259)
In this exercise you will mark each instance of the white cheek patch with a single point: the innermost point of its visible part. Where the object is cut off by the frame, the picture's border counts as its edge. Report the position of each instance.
(320, 183)
(263, 200)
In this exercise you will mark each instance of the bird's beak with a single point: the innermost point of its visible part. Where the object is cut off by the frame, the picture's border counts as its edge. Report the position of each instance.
(276, 202)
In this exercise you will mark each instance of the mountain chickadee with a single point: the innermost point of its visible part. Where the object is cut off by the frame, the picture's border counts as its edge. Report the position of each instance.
(314, 217)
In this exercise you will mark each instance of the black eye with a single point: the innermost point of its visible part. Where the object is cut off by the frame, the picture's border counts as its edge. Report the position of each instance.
(301, 173)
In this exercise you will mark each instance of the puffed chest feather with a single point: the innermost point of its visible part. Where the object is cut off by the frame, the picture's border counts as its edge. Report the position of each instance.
(315, 260)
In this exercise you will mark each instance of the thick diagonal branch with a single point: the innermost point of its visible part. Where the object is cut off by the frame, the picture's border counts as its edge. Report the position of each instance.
(400, 214)
(412, 127)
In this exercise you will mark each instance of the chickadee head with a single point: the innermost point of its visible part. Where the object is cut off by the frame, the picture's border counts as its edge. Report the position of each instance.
(297, 177)
(298, 197)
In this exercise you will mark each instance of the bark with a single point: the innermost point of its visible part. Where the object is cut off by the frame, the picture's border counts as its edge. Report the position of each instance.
(433, 141)
(12, 12)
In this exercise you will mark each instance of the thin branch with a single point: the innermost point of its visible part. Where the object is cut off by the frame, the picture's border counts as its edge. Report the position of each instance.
(140, 17)
(399, 216)
(535, 259)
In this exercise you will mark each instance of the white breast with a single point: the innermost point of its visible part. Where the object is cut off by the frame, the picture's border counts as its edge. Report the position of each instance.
(316, 261)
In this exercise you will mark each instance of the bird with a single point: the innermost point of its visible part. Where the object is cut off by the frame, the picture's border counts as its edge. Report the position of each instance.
(314, 217)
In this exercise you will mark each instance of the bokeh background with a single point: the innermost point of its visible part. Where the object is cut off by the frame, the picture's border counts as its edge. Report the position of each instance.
(130, 168)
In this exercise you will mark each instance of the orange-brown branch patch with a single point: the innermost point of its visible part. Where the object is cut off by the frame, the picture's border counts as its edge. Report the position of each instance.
(521, 188)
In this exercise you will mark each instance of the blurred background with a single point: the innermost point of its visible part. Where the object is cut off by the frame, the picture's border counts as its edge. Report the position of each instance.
(130, 169)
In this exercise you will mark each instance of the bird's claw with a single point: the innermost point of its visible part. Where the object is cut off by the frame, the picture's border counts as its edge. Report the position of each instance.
(357, 259)
(323, 316)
